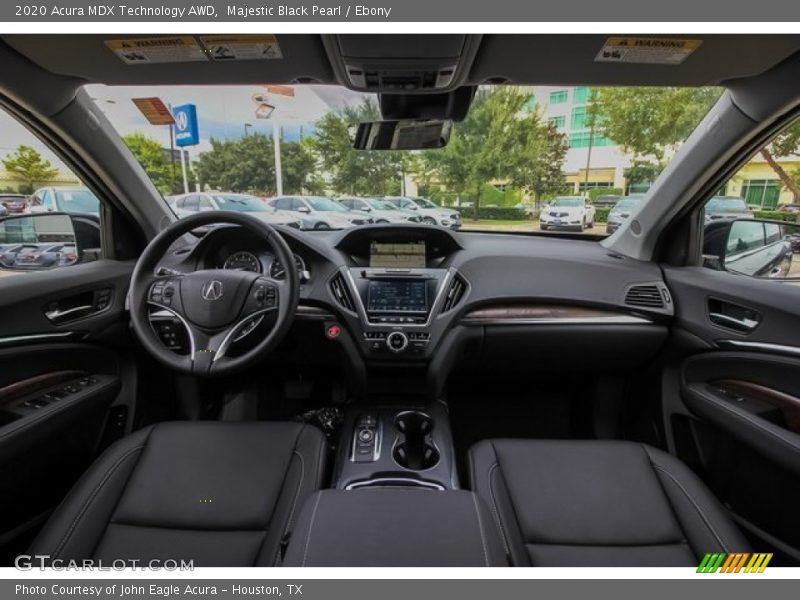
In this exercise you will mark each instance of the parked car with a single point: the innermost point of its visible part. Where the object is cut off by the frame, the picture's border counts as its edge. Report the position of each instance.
(320, 212)
(607, 201)
(726, 208)
(567, 212)
(621, 212)
(758, 250)
(3, 211)
(38, 256)
(13, 204)
(188, 204)
(791, 208)
(380, 210)
(78, 200)
(431, 213)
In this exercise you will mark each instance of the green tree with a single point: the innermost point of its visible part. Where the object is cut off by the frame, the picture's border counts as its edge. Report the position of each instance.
(786, 143)
(541, 152)
(155, 162)
(244, 165)
(499, 140)
(361, 172)
(247, 165)
(29, 166)
(649, 121)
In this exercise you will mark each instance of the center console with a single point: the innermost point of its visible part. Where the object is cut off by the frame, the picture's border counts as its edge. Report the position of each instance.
(396, 447)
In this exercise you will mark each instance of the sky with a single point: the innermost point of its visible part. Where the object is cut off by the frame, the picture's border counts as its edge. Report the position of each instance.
(223, 111)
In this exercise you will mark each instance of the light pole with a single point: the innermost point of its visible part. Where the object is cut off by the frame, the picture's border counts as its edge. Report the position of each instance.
(246, 128)
(276, 140)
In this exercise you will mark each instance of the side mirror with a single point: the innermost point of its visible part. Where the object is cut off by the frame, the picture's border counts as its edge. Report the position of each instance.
(47, 240)
(304, 209)
(756, 248)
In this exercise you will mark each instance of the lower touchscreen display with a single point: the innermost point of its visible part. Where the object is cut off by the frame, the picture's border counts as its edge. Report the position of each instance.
(397, 296)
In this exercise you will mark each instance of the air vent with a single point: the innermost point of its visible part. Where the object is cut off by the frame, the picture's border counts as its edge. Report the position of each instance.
(644, 296)
(342, 293)
(454, 293)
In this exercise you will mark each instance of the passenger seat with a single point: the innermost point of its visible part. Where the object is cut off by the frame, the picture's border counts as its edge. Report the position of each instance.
(598, 503)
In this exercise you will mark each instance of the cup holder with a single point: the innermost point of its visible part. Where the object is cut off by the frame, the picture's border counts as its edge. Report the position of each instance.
(415, 449)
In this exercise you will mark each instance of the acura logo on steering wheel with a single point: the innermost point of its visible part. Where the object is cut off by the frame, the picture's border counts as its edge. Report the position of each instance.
(211, 290)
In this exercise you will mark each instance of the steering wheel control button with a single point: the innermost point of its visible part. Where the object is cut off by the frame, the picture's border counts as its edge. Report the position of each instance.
(397, 341)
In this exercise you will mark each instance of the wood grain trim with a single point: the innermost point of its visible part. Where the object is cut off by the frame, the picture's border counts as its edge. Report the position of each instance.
(788, 405)
(539, 312)
(18, 389)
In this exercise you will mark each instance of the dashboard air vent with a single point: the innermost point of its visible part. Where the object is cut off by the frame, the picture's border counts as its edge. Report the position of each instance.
(454, 293)
(342, 293)
(644, 296)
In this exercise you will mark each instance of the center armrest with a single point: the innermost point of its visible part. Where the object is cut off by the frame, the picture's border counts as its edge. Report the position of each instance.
(398, 527)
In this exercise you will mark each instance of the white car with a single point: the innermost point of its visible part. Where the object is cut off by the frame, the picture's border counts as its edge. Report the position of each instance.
(320, 212)
(431, 213)
(188, 204)
(567, 212)
(380, 210)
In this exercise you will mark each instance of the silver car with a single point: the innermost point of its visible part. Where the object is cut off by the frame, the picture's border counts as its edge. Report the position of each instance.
(381, 210)
(188, 204)
(320, 212)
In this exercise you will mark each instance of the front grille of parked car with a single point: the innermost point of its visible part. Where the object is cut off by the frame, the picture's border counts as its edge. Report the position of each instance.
(645, 296)
(455, 216)
(341, 293)
(558, 214)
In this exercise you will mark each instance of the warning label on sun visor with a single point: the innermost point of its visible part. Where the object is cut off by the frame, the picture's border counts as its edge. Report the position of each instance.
(143, 51)
(647, 50)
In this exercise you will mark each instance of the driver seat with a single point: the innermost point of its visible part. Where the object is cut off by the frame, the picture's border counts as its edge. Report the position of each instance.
(220, 494)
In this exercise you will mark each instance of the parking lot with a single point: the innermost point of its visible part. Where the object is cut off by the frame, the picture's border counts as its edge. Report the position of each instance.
(522, 226)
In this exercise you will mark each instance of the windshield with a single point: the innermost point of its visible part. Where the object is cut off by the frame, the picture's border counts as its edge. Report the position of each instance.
(77, 201)
(628, 203)
(566, 202)
(240, 203)
(380, 204)
(326, 205)
(518, 151)
(726, 205)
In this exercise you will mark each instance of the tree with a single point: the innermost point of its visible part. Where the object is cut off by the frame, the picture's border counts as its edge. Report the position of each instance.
(643, 171)
(786, 143)
(247, 165)
(649, 121)
(243, 165)
(154, 161)
(498, 140)
(29, 166)
(541, 155)
(298, 167)
(361, 172)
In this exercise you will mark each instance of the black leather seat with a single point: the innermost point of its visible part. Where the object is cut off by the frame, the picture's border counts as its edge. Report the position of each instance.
(598, 503)
(220, 494)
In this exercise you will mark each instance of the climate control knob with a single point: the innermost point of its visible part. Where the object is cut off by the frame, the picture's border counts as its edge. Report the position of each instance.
(396, 341)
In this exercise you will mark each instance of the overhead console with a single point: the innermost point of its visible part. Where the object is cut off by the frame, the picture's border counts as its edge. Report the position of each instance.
(402, 63)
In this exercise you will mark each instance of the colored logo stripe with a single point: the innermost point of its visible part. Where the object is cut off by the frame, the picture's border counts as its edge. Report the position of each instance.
(734, 562)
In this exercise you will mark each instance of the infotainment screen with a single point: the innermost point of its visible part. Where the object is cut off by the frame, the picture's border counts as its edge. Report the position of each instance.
(398, 256)
(397, 296)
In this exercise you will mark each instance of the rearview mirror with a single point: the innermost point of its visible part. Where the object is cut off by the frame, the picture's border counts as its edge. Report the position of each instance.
(756, 248)
(402, 135)
(38, 242)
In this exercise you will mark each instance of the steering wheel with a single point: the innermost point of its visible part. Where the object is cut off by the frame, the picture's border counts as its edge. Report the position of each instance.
(216, 306)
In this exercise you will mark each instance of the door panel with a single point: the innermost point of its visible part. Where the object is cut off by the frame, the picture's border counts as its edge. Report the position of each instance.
(63, 338)
(731, 405)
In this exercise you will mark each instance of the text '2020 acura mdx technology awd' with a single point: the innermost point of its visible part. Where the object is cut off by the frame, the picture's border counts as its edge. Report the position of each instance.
(404, 342)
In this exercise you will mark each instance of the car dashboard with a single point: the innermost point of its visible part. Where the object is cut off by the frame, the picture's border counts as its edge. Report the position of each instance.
(429, 298)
